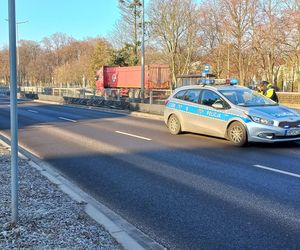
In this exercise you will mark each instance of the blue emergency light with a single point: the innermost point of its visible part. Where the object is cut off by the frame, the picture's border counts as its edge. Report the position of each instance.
(234, 81)
(206, 81)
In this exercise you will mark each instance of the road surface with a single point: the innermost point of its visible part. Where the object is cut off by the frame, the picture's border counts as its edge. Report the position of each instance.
(185, 192)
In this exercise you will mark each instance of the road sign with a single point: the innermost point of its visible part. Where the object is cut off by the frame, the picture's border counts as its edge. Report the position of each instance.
(206, 68)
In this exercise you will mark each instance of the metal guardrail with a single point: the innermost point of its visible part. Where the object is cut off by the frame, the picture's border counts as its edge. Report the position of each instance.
(158, 95)
(4, 91)
(151, 96)
(3, 88)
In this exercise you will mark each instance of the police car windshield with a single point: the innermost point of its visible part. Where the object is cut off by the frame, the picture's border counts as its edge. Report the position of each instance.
(246, 97)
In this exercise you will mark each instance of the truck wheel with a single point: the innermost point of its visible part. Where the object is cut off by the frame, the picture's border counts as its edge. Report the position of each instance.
(174, 125)
(237, 134)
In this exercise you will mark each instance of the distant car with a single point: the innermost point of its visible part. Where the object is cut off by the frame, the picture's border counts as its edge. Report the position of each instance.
(233, 112)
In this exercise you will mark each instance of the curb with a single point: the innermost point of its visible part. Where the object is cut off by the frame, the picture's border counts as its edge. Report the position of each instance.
(128, 236)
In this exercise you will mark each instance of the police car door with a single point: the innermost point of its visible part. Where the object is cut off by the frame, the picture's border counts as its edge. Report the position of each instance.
(212, 119)
(190, 109)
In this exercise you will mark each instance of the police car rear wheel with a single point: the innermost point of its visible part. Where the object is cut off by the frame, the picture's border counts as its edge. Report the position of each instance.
(237, 134)
(174, 125)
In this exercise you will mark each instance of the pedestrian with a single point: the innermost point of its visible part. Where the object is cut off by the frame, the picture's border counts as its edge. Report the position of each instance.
(268, 90)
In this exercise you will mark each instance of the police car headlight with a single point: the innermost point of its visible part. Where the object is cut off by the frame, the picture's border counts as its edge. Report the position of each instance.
(261, 120)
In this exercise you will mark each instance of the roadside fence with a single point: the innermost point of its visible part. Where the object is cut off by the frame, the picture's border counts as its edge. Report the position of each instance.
(152, 96)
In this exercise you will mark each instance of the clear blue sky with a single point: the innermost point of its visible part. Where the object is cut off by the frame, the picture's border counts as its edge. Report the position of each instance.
(77, 18)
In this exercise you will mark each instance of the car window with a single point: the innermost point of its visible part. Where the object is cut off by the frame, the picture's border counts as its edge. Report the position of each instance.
(209, 97)
(192, 95)
(247, 98)
(231, 96)
(180, 95)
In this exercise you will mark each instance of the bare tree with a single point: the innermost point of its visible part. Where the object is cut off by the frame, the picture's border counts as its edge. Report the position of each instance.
(251, 39)
(76, 67)
(4, 69)
(29, 51)
(291, 19)
(239, 20)
(174, 29)
(259, 39)
(54, 44)
(214, 35)
(270, 39)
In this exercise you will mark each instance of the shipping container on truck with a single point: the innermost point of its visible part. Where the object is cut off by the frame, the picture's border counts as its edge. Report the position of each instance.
(157, 76)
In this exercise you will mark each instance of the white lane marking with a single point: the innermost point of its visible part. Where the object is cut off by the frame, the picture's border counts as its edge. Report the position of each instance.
(66, 119)
(32, 111)
(278, 171)
(136, 136)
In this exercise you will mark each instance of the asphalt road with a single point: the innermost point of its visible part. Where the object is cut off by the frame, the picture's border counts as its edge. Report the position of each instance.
(186, 192)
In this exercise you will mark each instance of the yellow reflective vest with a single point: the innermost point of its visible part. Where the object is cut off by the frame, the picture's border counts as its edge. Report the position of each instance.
(270, 93)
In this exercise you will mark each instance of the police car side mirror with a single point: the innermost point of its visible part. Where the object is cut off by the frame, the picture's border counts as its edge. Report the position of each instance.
(218, 106)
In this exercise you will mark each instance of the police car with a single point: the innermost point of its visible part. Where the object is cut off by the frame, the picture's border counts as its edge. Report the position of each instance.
(236, 113)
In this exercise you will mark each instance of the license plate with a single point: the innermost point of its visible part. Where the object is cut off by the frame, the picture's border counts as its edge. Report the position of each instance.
(293, 132)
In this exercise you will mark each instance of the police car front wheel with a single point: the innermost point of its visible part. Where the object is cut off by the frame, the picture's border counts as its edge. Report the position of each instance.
(174, 125)
(237, 134)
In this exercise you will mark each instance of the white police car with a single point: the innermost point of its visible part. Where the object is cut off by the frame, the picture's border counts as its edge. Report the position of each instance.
(232, 112)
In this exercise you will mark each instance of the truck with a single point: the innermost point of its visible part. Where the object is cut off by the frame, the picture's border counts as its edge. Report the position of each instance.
(127, 80)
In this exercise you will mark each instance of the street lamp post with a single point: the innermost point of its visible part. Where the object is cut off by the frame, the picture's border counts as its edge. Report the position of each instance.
(13, 110)
(18, 54)
(143, 53)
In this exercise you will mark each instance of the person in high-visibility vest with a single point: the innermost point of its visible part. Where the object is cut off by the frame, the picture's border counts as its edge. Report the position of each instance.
(268, 90)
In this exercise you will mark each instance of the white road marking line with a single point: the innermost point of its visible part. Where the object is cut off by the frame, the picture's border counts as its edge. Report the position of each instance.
(32, 111)
(278, 171)
(66, 119)
(136, 136)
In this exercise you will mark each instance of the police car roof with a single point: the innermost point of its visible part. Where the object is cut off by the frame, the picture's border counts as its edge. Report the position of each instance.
(230, 87)
(212, 86)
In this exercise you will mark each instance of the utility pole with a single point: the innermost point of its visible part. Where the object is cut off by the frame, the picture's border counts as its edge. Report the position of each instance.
(143, 53)
(18, 52)
(13, 109)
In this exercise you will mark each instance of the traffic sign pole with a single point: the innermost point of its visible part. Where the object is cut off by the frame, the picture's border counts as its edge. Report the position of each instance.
(13, 109)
